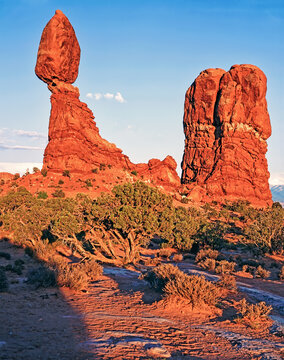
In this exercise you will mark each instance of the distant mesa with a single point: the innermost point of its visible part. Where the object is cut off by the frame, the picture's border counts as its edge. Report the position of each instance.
(74, 140)
(226, 125)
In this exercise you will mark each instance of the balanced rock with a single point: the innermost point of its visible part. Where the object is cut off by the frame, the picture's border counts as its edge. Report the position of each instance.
(226, 125)
(74, 140)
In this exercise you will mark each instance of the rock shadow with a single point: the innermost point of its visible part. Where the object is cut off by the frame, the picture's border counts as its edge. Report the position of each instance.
(36, 324)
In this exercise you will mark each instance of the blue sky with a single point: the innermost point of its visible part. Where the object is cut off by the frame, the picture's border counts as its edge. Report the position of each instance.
(146, 54)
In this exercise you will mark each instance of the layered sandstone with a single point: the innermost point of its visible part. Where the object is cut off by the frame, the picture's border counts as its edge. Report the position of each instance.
(226, 126)
(74, 140)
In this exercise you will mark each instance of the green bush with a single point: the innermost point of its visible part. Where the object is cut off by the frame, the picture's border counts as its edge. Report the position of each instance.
(267, 231)
(134, 172)
(44, 172)
(58, 193)
(42, 195)
(41, 277)
(66, 173)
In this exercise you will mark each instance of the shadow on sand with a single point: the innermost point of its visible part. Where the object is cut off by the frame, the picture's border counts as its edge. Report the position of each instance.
(36, 324)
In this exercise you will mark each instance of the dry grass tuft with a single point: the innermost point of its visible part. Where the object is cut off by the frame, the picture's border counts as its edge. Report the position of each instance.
(196, 290)
(253, 315)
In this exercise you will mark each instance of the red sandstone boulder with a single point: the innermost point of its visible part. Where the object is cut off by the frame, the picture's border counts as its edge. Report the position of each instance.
(226, 126)
(59, 51)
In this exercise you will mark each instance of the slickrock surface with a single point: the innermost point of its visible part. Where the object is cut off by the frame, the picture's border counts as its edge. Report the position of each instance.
(226, 125)
(74, 140)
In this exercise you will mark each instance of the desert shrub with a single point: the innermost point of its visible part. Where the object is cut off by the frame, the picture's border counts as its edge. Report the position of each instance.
(225, 267)
(171, 281)
(35, 170)
(195, 289)
(208, 264)
(2, 182)
(92, 269)
(134, 172)
(184, 200)
(88, 183)
(253, 314)
(281, 273)
(267, 231)
(277, 205)
(160, 275)
(44, 172)
(5, 255)
(58, 193)
(206, 253)
(66, 173)
(228, 282)
(102, 167)
(42, 195)
(60, 182)
(71, 276)
(4, 285)
(177, 257)
(212, 234)
(260, 272)
(244, 208)
(16, 176)
(41, 276)
(95, 170)
(165, 252)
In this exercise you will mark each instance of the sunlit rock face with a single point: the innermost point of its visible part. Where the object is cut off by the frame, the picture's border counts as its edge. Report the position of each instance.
(74, 140)
(226, 125)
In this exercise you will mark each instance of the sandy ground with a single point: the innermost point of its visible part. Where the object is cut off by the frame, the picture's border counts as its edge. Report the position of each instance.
(116, 318)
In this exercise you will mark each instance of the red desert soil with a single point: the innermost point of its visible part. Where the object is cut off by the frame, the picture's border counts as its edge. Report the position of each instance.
(117, 318)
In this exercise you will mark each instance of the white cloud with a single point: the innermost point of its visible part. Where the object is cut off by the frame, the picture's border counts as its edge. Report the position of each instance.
(33, 134)
(108, 96)
(118, 97)
(13, 167)
(276, 179)
(98, 96)
(19, 147)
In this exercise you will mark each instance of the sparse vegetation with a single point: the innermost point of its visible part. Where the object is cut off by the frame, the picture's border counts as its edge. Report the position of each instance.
(253, 314)
(134, 172)
(44, 172)
(228, 282)
(41, 276)
(66, 173)
(58, 193)
(171, 281)
(60, 182)
(102, 167)
(5, 255)
(42, 195)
